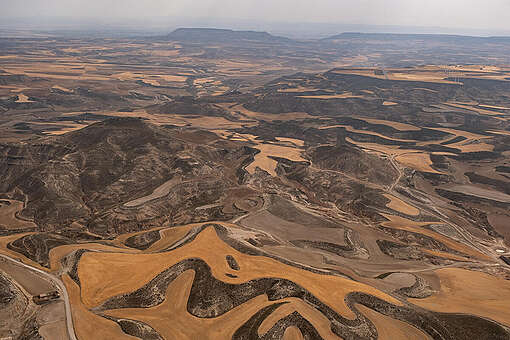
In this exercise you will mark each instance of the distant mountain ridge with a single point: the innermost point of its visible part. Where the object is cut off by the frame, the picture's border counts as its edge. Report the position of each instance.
(404, 36)
(216, 34)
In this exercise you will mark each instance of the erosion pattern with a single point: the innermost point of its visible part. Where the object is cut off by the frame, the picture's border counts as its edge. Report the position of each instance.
(180, 193)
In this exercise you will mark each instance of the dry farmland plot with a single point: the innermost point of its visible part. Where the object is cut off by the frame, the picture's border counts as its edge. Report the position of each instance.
(364, 132)
(185, 325)
(469, 292)
(23, 99)
(395, 125)
(417, 161)
(88, 325)
(104, 275)
(398, 205)
(263, 161)
(390, 329)
(298, 90)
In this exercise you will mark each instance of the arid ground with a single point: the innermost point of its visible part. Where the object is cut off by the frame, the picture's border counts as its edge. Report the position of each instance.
(255, 187)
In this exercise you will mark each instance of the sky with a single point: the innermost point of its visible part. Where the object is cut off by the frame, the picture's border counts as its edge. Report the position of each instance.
(469, 14)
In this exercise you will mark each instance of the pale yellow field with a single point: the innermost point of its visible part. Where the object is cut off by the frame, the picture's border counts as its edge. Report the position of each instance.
(395, 125)
(473, 143)
(475, 109)
(104, 275)
(292, 333)
(298, 89)
(56, 254)
(185, 325)
(364, 132)
(417, 161)
(504, 133)
(263, 161)
(391, 329)
(390, 150)
(469, 292)
(58, 87)
(87, 325)
(23, 99)
(495, 107)
(398, 205)
(173, 78)
(74, 127)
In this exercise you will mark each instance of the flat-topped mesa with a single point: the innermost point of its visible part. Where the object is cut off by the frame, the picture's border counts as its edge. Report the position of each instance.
(223, 35)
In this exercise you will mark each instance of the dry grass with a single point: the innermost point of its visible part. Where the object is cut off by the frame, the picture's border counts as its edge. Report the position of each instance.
(500, 132)
(23, 99)
(104, 275)
(292, 333)
(56, 254)
(87, 325)
(61, 88)
(495, 107)
(265, 163)
(185, 325)
(395, 125)
(398, 205)
(469, 292)
(69, 128)
(173, 78)
(390, 150)
(417, 161)
(298, 89)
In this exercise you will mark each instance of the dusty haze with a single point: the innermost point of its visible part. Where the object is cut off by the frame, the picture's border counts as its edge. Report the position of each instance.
(469, 14)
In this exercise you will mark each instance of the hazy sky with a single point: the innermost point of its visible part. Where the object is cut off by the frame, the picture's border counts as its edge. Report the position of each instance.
(490, 14)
